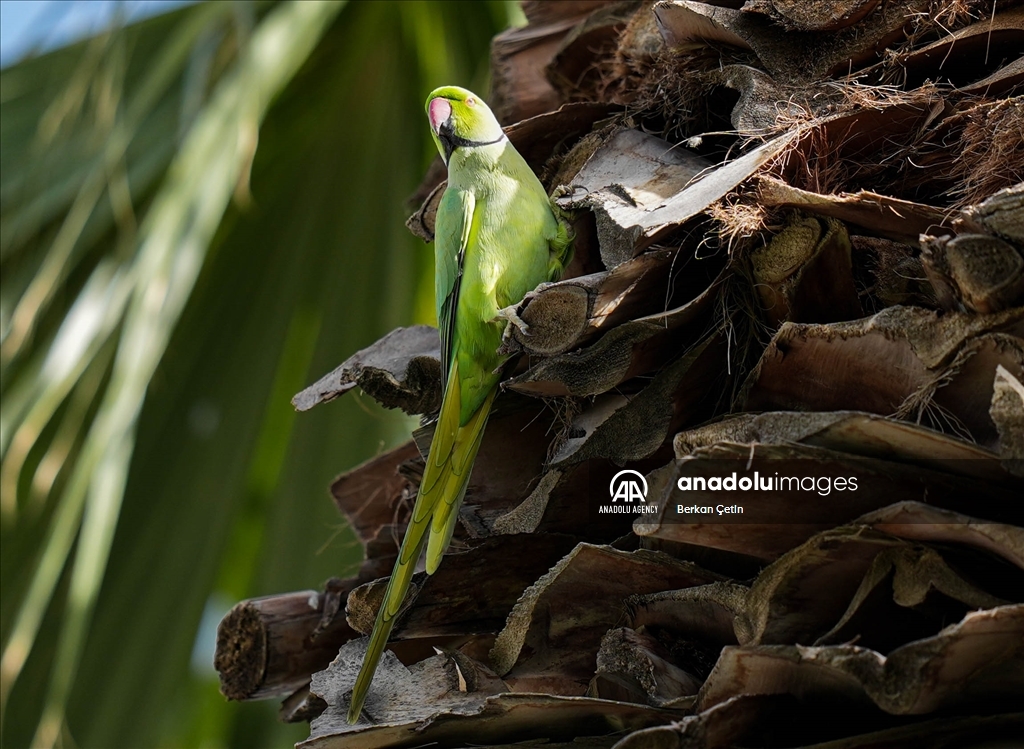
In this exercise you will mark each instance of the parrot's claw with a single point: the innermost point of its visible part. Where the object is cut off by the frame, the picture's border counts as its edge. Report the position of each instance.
(563, 192)
(510, 314)
(509, 344)
(564, 196)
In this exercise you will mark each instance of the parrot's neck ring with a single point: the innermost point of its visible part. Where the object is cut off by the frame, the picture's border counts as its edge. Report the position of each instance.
(450, 141)
(464, 143)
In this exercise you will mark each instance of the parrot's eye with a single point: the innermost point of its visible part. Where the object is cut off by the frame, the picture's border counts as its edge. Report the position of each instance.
(471, 102)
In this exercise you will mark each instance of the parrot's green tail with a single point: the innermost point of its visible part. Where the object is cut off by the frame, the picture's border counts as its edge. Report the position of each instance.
(445, 478)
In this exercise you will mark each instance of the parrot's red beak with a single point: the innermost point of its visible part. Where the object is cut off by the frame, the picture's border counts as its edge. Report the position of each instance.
(439, 111)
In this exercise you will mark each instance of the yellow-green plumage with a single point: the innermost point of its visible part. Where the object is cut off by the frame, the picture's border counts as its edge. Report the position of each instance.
(496, 239)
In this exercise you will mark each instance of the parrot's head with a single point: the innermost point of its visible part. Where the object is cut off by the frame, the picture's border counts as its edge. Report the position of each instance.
(460, 119)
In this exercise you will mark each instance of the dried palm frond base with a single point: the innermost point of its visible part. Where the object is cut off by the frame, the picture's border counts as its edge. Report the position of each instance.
(820, 276)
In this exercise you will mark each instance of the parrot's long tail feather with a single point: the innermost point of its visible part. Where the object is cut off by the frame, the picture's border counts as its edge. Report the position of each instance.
(445, 477)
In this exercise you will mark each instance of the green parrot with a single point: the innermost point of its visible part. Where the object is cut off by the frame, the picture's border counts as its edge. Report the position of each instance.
(496, 239)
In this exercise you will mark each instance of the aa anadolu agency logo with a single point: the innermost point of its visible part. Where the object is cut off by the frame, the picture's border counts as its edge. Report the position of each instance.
(628, 493)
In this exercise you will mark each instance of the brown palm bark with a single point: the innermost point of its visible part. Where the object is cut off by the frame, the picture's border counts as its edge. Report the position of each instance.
(799, 252)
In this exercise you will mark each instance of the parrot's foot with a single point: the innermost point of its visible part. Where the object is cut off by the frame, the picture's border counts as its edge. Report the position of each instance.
(510, 315)
(562, 199)
(509, 344)
(563, 193)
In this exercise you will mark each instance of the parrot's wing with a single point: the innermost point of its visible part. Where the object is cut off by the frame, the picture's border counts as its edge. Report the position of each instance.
(452, 449)
(454, 222)
(455, 469)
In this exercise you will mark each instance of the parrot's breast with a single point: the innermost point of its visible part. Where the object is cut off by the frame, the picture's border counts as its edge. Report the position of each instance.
(506, 256)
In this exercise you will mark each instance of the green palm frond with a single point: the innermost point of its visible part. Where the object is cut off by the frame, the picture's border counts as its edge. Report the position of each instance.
(199, 213)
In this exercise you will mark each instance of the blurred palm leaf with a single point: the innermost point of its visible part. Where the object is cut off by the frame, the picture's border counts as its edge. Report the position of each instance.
(166, 287)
